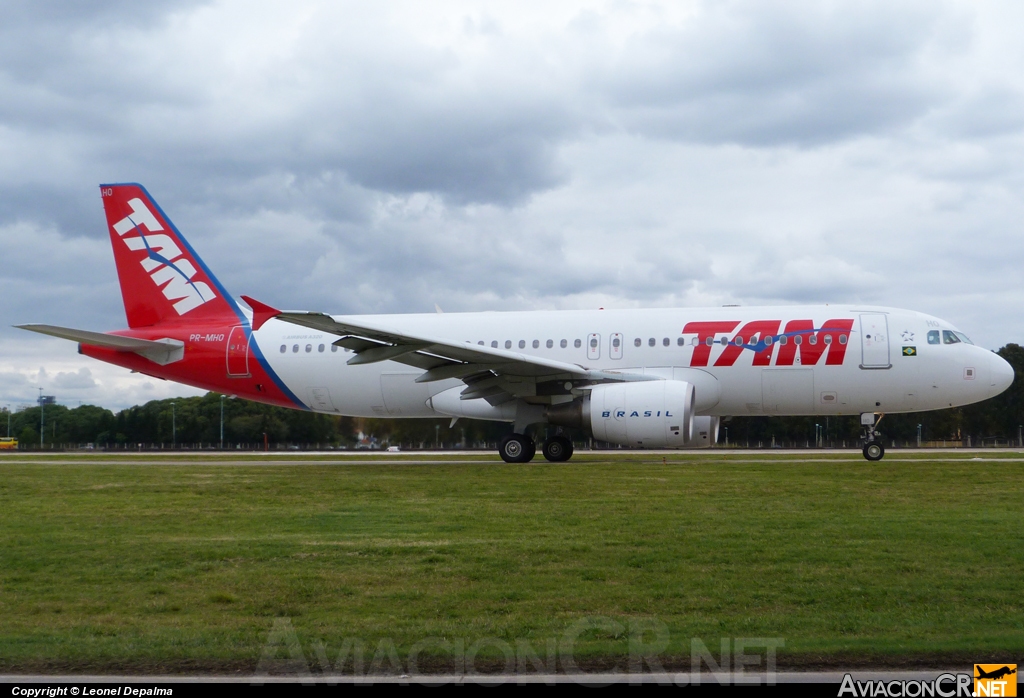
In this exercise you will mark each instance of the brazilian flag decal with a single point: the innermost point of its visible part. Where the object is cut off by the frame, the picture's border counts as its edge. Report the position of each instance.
(910, 351)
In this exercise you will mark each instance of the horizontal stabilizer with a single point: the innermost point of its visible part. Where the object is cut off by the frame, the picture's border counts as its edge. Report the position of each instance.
(160, 351)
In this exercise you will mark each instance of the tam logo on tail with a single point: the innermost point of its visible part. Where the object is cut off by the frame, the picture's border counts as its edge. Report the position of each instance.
(162, 278)
(164, 262)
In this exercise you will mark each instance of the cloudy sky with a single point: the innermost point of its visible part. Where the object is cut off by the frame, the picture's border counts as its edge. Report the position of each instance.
(383, 157)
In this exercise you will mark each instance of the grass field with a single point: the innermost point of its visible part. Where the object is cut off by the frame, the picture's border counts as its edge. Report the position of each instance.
(143, 563)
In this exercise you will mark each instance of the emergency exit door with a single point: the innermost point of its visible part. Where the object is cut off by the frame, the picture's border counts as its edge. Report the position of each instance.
(615, 346)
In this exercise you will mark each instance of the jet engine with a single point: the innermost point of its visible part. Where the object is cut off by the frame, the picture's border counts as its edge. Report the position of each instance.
(651, 414)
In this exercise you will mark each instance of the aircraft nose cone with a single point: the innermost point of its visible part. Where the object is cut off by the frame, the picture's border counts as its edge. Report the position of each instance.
(1001, 372)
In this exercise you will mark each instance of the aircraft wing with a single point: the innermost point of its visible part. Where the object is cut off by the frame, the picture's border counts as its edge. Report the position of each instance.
(495, 374)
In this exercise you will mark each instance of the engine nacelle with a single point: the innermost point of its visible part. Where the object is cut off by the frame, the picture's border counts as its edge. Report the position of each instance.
(705, 432)
(651, 414)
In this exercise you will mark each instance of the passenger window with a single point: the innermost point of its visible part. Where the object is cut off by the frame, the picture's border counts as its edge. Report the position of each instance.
(681, 341)
(694, 342)
(723, 341)
(933, 336)
(813, 339)
(536, 343)
(283, 348)
(783, 339)
(665, 342)
(615, 342)
(320, 348)
(549, 343)
(949, 337)
(651, 342)
(522, 343)
(563, 344)
(593, 343)
(842, 339)
(334, 348)
(578, 343)
(768, 341)
(798, 339)
(508, 343)
(637, 342)
(481, 342)
(309, 348)
(828, 339)
(709, 341)
(738, 341)
(295, 348)
(494, 344)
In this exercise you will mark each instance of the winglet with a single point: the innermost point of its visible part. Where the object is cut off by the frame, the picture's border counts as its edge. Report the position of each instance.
(261, 312)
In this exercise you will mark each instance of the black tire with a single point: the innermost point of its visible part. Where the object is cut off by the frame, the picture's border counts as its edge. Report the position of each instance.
(874, 450)
(558, 449)
(516, 448)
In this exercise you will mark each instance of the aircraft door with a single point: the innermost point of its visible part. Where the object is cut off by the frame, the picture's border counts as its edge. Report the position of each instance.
(615, 346)
(874, 341)
(593, 347)
(238, 352)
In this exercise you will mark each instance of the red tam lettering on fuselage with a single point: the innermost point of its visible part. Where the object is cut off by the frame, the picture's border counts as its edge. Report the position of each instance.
(705, 331)
(762, 329)
(813, 343)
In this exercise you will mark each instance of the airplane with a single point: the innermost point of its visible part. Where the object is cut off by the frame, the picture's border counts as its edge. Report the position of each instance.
(656, 378)
(994, 674)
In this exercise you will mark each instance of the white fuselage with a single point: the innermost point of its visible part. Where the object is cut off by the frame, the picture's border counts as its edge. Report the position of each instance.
(889, 363)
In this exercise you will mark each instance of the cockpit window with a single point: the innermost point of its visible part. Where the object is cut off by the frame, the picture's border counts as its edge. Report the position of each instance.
(949, 337)
(933, 336)
(963, 338)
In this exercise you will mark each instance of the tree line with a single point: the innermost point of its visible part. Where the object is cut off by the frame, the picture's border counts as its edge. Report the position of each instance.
(195, 422)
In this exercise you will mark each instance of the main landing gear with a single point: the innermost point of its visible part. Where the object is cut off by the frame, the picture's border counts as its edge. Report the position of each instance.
(873, 448)
(520, 448)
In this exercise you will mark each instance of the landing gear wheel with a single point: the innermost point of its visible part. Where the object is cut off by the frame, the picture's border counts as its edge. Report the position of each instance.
(517, 448)
(558, 449)
(874, 450)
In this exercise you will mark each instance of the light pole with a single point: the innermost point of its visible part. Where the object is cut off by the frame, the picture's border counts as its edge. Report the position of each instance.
(174, 428)
(8, 421)
(437, 436)
(42, 411)
(919, 436)
(222, 422)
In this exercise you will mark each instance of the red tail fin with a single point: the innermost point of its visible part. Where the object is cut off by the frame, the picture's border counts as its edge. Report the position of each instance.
(162, 278)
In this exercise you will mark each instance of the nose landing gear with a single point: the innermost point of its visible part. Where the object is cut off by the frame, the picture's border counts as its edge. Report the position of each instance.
(873, 448)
